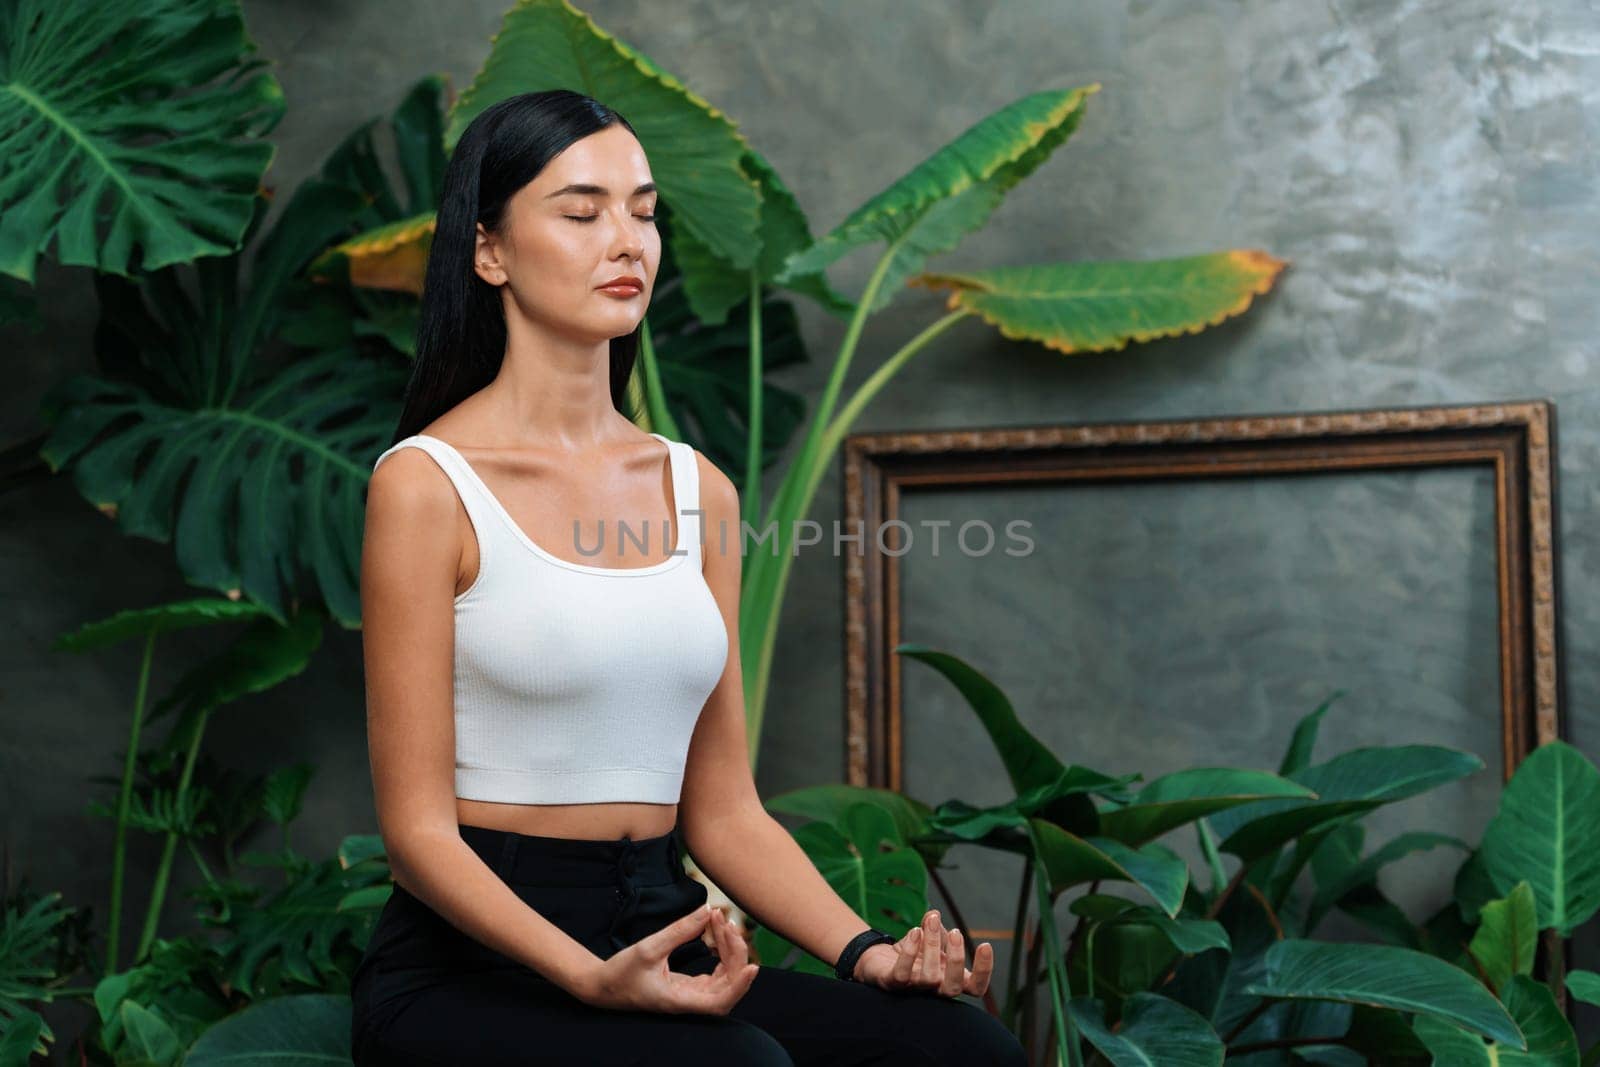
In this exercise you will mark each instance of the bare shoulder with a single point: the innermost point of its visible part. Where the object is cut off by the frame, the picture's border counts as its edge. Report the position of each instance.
(717, 492)
(410, 485)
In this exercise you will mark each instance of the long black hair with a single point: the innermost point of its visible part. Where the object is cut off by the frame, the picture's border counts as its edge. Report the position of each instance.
(461, 331)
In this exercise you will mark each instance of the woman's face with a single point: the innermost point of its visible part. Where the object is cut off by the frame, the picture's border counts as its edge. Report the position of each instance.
(584, 220)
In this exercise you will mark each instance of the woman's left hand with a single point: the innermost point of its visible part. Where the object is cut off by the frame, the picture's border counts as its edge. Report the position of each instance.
(929, 958)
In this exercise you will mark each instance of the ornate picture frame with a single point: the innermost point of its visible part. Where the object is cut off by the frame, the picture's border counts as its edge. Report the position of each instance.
(1515, 440)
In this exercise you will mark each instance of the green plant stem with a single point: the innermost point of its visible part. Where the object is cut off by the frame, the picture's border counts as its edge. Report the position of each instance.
(661, 419)
(200, 861)
(875, 382)
(769, 574)
(1222, 898)
(72, 991)
(1035, 976)
(799, 487)
(158, 889)
(1066, 1034)
(1014, 967)
(119, 845)
(750, 511)
(1556, 969)
(1250, 1016)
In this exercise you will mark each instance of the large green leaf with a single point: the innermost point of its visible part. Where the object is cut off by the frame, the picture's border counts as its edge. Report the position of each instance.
(1351, 783)
(1187, 935)
(1341, 870)
(1213, 982)
(129, 133)
(829, 802)
(705, 366)
(867, 862)
(265, 654)
(953, 192)
(1304, 740)
(390, 251)
(158, 619)
(1508, 938)
(1027, 761)
(1384, 976)
(1097, 307)
(695, 151)
(1154, 1032)
(1551, 1042)
(307, 1028)
(1547, 833)
(1585, 986)
(1066, 860)
(1183, 796)
(256, 472)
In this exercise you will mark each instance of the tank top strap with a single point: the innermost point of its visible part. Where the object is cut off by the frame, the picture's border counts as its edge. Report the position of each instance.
(481, 510)
(685, 492)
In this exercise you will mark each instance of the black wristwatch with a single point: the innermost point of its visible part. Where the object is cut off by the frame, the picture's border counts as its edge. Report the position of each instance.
(845, 969)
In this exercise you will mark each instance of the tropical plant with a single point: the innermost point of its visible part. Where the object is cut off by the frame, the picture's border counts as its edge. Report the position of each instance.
(255, 942)
(739, 233)
(129, 133)
(1196, 974)
(207, 428)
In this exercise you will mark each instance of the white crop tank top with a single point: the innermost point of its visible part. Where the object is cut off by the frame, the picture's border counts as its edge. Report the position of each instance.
(574, 683)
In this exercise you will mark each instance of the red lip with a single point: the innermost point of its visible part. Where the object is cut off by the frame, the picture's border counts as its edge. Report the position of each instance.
(622, 280)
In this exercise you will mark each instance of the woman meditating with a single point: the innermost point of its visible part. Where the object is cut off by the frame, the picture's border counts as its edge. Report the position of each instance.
(554, 701)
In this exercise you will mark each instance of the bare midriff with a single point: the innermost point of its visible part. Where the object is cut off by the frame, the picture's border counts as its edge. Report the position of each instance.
(604, 822)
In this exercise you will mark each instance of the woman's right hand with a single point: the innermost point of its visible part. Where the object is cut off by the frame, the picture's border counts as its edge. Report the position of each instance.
(637, 977)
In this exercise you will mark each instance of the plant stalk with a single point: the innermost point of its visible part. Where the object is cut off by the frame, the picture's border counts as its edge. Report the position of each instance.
(119, 845)
(158, 889)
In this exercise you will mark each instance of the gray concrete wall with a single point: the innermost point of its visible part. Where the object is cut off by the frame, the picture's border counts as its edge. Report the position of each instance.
(1430, 169)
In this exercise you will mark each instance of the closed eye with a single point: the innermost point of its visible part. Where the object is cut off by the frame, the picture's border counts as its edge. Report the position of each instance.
(591, 218)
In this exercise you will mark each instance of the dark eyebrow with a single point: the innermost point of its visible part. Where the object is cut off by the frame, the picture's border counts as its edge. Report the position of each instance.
(599, 190)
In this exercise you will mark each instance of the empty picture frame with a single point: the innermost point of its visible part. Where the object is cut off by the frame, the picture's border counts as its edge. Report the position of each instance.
(1513, 442)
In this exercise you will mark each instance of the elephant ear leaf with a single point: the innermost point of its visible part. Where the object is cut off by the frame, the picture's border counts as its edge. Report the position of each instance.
(131, 133)
(952, 192)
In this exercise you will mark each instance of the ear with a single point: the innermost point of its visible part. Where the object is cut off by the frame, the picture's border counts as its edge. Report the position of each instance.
(486, 258)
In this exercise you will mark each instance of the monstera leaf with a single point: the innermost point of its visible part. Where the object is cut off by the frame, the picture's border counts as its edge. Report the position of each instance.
(256, 471)
(868, 863)
(130, 132)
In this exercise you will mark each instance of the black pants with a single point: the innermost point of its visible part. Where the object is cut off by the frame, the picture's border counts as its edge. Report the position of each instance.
(426, 993)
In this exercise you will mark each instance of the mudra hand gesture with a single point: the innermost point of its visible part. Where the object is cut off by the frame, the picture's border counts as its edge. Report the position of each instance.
(929, 958)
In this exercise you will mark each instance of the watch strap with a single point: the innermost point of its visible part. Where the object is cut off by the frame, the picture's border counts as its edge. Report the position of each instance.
(845, 969)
